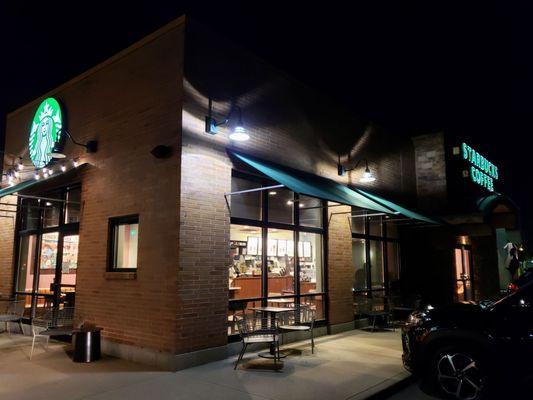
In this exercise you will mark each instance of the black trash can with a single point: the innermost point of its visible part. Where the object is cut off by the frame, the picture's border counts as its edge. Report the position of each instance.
(86, 342)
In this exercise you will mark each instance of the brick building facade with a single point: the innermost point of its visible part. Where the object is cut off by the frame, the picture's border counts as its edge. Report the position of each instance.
(172, 309)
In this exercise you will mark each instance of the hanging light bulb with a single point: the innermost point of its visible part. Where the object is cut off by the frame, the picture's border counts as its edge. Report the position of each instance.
(16, 173)
(20, 164)
(50, 171)
(45, 170)
(75, 163)
(36, 176)
(63, 167)
(45, 174)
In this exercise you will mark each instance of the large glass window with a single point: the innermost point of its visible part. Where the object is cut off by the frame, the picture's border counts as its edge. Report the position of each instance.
(359, 262)
(280, 258)
(248, 204)
(48, 248)
(124, 243)
(310, 211)
(26, 263)
(311, 265)
(272, 229)
(376, 257)
(245, 272)
(280, 206)
(377, 273)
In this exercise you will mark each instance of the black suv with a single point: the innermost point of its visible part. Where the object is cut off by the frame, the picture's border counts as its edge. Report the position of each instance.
(473, 351)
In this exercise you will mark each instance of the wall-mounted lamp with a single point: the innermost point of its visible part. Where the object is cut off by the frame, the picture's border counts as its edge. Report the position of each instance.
(239, 132)
(91, 146)
(367, 175)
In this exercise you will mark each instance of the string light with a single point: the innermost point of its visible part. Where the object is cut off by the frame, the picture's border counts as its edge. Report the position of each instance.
(36, 176)
(16, 173)
(50, 171)
(63, 167)
(20, 164)
(75, 163)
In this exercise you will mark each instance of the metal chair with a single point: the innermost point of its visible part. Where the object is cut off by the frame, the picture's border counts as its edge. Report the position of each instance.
(52, 322)
(301, 319)
(14, 313)
(258, 330)
(375, 311)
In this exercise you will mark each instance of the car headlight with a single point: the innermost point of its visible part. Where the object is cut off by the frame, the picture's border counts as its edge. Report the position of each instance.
(417, 318)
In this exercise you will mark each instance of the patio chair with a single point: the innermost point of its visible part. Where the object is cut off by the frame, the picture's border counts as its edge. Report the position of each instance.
(52, 322)
(376, 309)
(258, 330)
(14, 313)
(302, 319)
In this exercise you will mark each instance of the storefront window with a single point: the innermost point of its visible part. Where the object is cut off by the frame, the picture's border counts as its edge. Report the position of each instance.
(264, 252)
(359, 262)
(30, 214)
(376, 264)
(245, 271)
(374, 225)
(310, 209)
(73, 206)
(393, 265)
(125, 239)
(51, 212)
(47, 262)
(281, 206)
(311, 265)
(280, 258)
(358, 224)
(245, 205)
(392, 229)
(26, 263)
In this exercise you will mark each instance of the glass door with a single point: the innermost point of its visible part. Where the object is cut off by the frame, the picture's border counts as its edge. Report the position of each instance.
(463, 274)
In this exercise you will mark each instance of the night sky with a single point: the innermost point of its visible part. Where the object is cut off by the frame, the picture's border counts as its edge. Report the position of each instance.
(413, 67)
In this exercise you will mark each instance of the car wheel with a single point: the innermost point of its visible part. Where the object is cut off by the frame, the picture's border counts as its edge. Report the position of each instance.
(459, 374)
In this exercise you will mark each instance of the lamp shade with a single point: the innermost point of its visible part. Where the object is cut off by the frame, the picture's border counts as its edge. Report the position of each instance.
(56, 152)
(239, 134)
(367, 176)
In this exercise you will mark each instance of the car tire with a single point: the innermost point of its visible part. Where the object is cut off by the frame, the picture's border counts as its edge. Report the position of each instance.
(457, 373)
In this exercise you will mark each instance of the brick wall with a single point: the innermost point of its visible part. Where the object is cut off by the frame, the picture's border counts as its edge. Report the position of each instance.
(7, 231)
(130, 104)
(340, 267)
(430, 171)
(289, 124)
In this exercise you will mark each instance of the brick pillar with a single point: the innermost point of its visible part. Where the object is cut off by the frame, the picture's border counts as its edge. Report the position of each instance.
(7, 232)
(203, 249)
(340, 268)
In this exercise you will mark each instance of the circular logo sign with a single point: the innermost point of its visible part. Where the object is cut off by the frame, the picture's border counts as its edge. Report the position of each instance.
(45, 132)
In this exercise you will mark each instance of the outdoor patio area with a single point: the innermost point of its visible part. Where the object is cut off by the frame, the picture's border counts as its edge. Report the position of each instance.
(351, 365)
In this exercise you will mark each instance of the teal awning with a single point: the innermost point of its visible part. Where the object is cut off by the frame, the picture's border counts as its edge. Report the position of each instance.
(14, 189)
(398, 209)
(311, 185)
(327, 189)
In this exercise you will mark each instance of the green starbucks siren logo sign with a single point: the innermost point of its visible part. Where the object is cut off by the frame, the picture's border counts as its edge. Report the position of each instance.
(45, 132)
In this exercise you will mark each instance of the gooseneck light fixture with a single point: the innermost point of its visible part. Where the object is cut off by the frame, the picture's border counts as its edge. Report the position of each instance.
(238, 134)
(91, 146)
(367, 175)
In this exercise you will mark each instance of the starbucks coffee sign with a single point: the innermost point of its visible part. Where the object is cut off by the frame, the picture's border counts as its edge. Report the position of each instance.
(45, 132)
(482, 171)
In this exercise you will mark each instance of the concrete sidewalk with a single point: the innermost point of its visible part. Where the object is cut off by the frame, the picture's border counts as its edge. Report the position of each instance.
(352, 365)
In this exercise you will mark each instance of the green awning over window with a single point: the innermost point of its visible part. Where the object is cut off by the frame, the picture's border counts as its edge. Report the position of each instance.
(14, 189)
(326, 189)
(398, 209)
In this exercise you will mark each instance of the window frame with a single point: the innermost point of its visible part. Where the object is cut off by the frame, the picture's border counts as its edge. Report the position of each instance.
(112, 239)
(384, 240)
(264, 224)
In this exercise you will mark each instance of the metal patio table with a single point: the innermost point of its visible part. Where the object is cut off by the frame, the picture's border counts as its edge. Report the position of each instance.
(273, 311)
